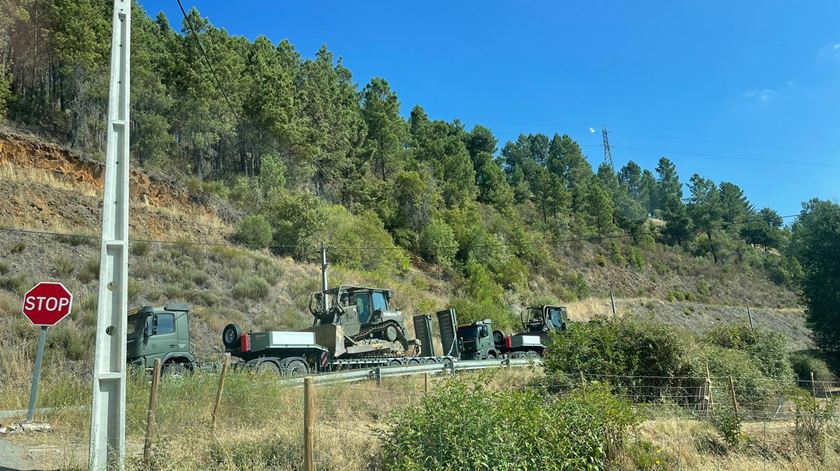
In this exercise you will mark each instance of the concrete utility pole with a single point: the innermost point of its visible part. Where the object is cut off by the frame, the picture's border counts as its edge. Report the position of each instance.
(107, 423)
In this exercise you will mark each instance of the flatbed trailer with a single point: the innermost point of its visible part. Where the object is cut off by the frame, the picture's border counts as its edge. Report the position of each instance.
(299, 353)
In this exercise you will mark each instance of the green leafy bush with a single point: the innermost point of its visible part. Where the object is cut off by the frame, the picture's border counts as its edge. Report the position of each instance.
(254, 231)
(621, 348)
(437, 243)
(461, 426)
(728, 425)
(805, 363)
(768, 349)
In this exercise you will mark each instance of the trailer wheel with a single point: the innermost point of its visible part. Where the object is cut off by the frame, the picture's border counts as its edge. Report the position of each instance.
(268, 366)
(533, 355)
(448, 364)
(296, 369)
(394, 362)
(230, 336)
(414, 361)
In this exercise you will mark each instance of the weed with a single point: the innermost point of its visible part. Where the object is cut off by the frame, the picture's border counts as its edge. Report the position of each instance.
(728, 425)
(134, 290)
(140, 248)
(89, 271)
(252, 287)
(17, 284)
(76, 239)
(4, 269)
(64, 267)
(18, 247)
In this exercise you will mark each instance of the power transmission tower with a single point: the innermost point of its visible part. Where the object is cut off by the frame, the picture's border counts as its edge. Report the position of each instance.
(107, 421)
(607, 151)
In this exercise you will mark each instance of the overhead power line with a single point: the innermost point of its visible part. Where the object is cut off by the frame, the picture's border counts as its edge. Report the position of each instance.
(207, 60)
(729, 157)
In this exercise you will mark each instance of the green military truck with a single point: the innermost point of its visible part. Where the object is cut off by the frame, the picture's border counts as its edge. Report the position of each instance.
(160, 333)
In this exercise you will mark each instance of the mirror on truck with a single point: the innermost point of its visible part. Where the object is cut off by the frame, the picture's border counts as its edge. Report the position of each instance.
(484, 331)
(147, 330)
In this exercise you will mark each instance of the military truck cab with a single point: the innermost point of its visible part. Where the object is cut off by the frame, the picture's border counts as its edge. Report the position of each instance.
(159, 333)
(475, 341)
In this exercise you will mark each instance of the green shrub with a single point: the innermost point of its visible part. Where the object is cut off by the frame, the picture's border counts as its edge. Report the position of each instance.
(437, 243)
(139, 248)
(728, 425)
(64, 266)
(770, 350)
(135, 288)
(616, 349)
(805, 363)
(360, 241)
(254, 231)
(89, 271)
(460, 426)
(645, 456)
(77, 238)
(252, 287)
(19, 284)
(4, 269)
(753, 388)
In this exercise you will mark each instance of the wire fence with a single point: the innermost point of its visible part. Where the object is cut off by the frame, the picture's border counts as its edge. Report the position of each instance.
(257, 416)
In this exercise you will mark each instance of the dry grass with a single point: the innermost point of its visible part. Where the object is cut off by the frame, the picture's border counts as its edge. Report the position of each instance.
(259, 424)
(769, 447)
(49, 178)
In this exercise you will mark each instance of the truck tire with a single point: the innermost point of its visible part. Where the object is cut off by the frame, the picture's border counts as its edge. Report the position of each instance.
(295, 369)
(268, 366)
(230, 336)
(498, 337)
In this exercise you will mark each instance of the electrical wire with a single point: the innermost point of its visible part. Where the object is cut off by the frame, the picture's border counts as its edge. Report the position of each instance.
(207, 59)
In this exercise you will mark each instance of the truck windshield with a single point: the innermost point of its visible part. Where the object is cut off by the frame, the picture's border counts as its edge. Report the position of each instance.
(136, 324)
(468, 333)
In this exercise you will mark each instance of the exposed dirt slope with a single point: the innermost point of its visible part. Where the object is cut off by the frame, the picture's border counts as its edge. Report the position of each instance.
(45, 186)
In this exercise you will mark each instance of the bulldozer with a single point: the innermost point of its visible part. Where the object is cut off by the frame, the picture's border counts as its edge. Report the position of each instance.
(364, 314)
(542, 320)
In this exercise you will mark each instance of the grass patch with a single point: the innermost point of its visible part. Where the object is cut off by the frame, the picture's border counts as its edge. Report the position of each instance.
(252, 287)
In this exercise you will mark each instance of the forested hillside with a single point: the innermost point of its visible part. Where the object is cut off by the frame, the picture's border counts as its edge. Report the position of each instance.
(310, 156)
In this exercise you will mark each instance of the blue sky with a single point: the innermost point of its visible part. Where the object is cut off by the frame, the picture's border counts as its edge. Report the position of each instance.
(746, 91)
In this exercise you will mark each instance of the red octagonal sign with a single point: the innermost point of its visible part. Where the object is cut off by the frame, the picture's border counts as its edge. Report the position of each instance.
(47, 303)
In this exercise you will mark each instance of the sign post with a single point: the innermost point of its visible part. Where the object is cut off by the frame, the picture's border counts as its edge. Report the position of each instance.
(44, 305)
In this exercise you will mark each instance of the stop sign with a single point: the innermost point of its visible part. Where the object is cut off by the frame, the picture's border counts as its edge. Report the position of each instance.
(47, 303)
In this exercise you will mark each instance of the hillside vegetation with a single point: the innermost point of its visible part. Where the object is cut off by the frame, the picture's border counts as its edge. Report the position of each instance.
(304, 155)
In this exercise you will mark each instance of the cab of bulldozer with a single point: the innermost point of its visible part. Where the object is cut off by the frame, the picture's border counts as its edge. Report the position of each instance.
(373, 305)
(545, 319)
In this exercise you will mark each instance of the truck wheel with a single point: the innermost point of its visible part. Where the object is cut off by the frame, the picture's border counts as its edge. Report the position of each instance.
(533, 355)
(173, 370)
(296, 369)
(498, 337)
(414, 361)
(230, 336)
(268, 366)
(391, 333)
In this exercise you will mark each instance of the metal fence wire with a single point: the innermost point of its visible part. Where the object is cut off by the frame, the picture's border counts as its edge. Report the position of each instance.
(252, 403)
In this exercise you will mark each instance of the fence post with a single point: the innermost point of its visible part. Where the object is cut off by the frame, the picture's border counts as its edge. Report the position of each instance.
(813, 386)
(309, 423)
(710, 402)
(150, 417)
(426, 383)
(378, 374)
(225, 365)
(734, 399)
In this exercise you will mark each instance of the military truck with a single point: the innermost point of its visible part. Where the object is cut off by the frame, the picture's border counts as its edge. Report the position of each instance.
(478, 340)
(160, 333)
